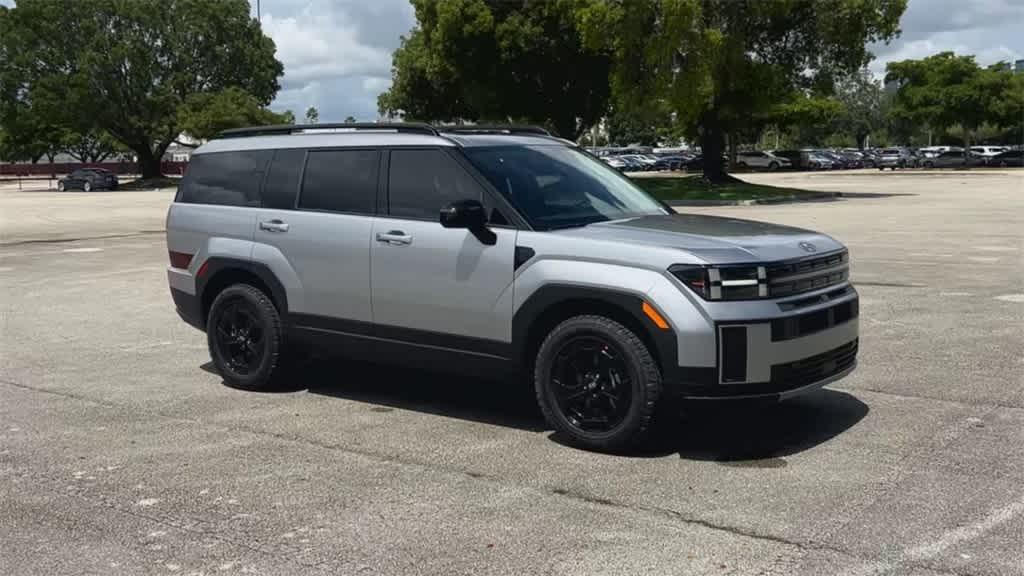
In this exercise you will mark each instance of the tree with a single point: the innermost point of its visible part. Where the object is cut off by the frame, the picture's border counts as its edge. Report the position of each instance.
(129, 67)
(496, 60)
(861, 98)
(350, 119)
(90, 147)
(718, 63)
(205, 115)
(944, 90)
(312, 115)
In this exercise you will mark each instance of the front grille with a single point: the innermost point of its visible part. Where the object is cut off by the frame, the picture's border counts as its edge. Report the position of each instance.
(811, 322)
(817, 367)
(796, 277)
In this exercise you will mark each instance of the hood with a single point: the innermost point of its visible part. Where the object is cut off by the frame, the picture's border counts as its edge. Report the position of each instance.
(712, 238)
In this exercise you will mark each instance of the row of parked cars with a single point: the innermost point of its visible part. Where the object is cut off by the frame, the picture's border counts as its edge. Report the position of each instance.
(633, 160)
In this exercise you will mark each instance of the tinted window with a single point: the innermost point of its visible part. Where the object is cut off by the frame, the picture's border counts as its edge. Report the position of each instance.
(421, 182)
(282, 183)
(225, 178)
(559, 186)
(340, 181)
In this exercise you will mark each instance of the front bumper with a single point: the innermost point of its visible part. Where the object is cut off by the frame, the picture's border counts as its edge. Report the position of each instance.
(781, 356)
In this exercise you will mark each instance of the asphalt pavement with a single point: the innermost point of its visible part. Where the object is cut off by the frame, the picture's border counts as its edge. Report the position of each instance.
(121, 452)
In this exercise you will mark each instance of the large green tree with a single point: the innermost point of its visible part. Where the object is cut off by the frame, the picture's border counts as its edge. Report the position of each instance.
(718, 63)
(861, 98)
(499, 60)
(128, 67)
(204, 115)
(946, 90)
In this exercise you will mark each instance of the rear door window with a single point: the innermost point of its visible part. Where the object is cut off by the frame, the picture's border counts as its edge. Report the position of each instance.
(225, 178)
(340, 181)
(282, 183)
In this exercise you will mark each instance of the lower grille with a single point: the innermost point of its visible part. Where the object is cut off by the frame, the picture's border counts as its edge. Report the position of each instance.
(811, 322)
(817, 367)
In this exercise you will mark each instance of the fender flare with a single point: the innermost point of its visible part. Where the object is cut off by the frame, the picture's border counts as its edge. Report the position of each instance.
(217, 264)
(547, 297)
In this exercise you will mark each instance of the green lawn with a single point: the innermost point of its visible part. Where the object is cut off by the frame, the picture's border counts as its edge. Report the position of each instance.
(695, 188)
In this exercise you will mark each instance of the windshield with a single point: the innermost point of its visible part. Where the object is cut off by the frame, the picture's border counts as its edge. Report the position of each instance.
(560, 187)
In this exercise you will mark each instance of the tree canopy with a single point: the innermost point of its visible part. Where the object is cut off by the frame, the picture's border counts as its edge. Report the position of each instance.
(499, 60)
(312, 115)
(946, 90)
(134, 70)
(719, 63)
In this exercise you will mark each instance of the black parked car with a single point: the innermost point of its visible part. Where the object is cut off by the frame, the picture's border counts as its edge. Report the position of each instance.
(88, 179)
(1007, 158)
(674, 162)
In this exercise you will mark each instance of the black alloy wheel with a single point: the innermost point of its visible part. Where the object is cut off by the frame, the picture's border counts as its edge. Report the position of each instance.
(597, 383)
(243, 331)
(591, 384)
(239, 337)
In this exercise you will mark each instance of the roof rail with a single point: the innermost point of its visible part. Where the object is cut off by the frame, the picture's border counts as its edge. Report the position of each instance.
(406, 127)
(493, 129)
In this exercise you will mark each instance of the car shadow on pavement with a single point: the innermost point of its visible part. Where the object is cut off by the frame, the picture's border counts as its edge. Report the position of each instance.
(478, 400)
(761, 434)
(739, 433)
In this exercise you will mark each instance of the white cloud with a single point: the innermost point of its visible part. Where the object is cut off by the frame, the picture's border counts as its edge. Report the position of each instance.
(988, 29)
(336, 53)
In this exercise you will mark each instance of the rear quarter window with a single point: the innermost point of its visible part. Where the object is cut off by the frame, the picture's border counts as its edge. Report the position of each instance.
(225, 178)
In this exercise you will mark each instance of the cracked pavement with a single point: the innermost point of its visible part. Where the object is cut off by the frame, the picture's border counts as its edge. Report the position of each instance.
(122, 453)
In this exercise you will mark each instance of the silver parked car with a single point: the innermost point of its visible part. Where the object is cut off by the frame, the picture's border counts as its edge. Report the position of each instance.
(894, 158)
(758, 159)
(497, 252)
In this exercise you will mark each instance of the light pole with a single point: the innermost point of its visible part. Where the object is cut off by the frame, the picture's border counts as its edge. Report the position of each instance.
(259, 16)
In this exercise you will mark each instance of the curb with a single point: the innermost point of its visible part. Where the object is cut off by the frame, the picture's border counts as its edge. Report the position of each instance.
(816, 197)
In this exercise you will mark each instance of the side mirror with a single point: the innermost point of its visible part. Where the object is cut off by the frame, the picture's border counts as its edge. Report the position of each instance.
(471, 215)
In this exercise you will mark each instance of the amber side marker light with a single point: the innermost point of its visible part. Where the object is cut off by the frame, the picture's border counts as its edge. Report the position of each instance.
(654, 316)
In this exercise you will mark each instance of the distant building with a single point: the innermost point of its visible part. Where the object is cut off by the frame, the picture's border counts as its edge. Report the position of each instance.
(1018, 66)
(891, 86)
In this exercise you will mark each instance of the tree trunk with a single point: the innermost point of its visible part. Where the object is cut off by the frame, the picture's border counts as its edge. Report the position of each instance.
(712, 145)
(861, 141)
(149, 163)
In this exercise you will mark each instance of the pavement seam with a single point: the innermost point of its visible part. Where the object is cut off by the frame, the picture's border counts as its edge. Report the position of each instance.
(82, 239)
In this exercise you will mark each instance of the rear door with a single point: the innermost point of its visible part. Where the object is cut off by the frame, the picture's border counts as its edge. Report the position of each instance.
(314, 233)
(432, 285)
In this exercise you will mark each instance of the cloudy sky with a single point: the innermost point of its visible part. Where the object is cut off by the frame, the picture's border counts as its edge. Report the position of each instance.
(337, 53)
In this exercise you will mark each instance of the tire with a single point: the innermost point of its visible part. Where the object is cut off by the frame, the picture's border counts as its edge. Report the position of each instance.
(881, 168)
(264, 339)
(1003, 164)
(773, 166)
(60, 186)
(621, 353)
(87, 187)
(929, 165)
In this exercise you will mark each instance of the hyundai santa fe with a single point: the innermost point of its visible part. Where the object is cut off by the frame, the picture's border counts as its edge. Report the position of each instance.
(499, 252)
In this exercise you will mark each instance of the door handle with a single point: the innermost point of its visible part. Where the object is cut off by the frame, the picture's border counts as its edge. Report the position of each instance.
(394, 238)
(274, 225)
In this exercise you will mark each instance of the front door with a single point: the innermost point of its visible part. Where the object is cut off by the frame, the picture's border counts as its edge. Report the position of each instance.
(435, 286)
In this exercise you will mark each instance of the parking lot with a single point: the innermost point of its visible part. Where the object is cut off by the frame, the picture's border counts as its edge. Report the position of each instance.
(121, 452)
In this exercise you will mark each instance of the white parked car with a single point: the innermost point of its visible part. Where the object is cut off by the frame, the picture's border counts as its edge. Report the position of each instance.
(758, 159)
(987, 152)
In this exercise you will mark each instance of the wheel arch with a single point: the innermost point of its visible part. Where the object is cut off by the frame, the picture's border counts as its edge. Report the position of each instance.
(553, 304)
(223, 272)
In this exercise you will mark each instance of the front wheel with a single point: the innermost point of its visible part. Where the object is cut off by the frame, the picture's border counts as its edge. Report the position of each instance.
(773, 166)
(243, 332)
(60, 186)
(929, 165)
(597, 383)
(87, 187)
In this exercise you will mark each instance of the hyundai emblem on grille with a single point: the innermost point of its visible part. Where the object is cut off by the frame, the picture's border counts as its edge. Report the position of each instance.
(808, 247)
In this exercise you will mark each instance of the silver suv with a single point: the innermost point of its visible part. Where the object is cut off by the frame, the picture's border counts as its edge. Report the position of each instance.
(496, 252)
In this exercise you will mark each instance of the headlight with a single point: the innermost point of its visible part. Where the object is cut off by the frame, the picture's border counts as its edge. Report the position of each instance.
(723, 282)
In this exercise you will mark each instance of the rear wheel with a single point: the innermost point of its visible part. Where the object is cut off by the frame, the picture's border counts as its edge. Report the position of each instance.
(60, 186)
(773, 166)
(87, 186)
(243, 332)
(929, 164)
(597, 383)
